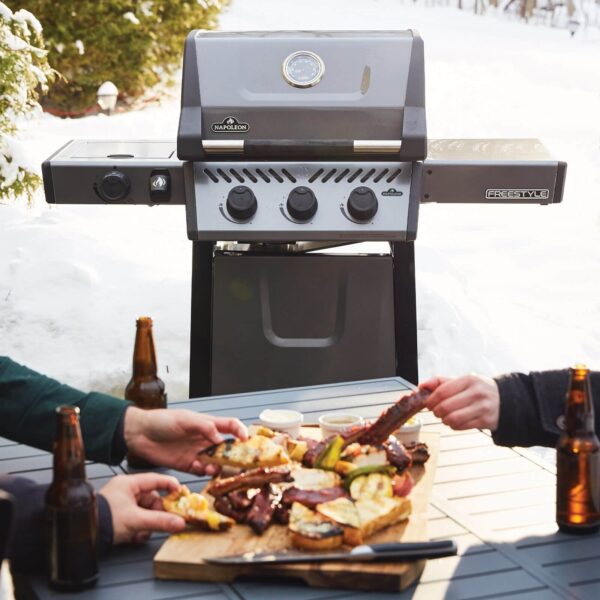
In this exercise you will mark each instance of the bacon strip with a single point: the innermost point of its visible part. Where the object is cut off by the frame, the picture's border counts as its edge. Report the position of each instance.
(254, 478)
(310, 498)
(394, 417)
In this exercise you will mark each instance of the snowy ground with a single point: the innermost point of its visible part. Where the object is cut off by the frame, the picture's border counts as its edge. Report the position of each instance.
(499, 287)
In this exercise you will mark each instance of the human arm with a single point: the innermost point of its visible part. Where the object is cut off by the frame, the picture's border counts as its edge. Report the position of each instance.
(26, 546)
(520, 409)
(27, 403)
(173, 437)
(109, 426)
(467, 402)
(129, 508)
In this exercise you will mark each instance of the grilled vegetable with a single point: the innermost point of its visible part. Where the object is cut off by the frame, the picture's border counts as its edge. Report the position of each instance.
(297, 449)
(331, 454)
(389, 470)
(375, 485)
(343, 467)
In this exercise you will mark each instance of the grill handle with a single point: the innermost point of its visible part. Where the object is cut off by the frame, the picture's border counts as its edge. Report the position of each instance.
(303, 149)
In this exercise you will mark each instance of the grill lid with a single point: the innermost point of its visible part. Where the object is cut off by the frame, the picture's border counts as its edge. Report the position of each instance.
(303, 95)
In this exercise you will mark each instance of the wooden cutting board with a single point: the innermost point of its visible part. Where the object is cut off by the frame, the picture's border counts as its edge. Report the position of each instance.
(181, 556)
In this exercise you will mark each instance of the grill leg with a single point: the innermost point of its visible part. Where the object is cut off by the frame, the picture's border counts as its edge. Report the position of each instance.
(201, 321)
(405, 311)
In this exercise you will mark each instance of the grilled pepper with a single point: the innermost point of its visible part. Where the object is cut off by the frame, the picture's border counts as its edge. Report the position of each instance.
(329, 457)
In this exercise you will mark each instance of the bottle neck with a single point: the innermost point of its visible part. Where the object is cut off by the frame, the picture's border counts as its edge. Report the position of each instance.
(144, 356)
(579, 414)
(69, 455)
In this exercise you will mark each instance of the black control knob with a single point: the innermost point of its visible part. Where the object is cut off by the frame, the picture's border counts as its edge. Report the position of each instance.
(302, 203)
(241, 203)
(114, 186)
(362, 203)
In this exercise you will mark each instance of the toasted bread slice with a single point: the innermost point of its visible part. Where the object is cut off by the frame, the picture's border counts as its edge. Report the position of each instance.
(314, 479)
(377, 513)
(311, 531)
(257, 451)
(195, 509)
(344, 512)
(363, 518)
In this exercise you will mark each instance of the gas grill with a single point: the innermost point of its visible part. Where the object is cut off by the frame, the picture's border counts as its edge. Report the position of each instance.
(291, 143)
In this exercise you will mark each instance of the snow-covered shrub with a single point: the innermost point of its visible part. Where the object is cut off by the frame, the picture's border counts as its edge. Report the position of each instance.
(134, 43)
(24, 72)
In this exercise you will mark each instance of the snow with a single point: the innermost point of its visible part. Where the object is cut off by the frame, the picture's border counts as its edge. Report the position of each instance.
(499, 288)
(131, 18)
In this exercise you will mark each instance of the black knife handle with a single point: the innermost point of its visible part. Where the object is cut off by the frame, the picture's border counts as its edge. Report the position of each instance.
(417, 549)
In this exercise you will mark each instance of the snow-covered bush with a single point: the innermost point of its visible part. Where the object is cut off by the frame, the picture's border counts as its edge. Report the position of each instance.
(133, 43)
(24, 72)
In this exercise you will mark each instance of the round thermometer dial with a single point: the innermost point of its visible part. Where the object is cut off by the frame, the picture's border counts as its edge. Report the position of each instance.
(303, 69)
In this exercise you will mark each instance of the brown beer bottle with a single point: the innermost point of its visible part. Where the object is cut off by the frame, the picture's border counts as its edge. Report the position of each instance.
(71, 524)
(578, 460)
(145, 388)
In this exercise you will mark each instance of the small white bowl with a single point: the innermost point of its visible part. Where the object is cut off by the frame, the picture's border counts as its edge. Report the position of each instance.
(338, 422)
(409, 432)
(287, 421)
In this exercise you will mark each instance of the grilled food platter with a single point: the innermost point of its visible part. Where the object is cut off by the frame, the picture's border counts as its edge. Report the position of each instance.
(308, 495)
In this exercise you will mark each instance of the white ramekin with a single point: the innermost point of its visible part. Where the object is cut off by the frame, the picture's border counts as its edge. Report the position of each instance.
(287, 421)
(338, 422)
(409, 432)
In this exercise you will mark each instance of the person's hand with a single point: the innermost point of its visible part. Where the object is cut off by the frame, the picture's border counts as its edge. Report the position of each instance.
(467, 402)
(136, 506)
(173, 438)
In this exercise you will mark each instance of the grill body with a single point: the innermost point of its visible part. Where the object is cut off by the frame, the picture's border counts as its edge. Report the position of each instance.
(290, 143)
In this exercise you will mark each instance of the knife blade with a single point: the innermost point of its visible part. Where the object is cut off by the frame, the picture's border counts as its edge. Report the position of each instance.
(393, 552)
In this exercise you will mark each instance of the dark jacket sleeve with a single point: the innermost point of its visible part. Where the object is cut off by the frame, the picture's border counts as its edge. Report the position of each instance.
(27, 545)
(532, 406)
(28, 401)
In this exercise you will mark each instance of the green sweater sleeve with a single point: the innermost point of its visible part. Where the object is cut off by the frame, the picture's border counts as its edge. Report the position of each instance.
(28, 401)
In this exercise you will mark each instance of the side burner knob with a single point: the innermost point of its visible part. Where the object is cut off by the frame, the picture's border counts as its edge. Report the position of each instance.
(362, 203)
(114, 186)
(241, 203)
(302, 203)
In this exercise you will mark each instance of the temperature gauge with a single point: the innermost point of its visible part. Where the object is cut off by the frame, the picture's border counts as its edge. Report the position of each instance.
(303, 69)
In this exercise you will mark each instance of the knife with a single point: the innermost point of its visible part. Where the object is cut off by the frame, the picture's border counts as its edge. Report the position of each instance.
(394, 552)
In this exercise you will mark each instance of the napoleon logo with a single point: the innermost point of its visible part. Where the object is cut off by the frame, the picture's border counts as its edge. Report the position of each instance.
(392, 192)
(230, 125)
(504, 194)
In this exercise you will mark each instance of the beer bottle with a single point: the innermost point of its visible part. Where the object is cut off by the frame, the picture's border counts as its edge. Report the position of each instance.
(578, 460)
(145, 388)
(71, 524)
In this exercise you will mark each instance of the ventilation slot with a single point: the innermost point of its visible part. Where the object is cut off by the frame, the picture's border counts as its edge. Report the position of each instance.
(289, 175)
(224, 175)
(354, 175)
(316, 175)
(237, 175)
(394, 175)
(211, 175)
(249, 175)
(329, 175)
(263, 176)
(342, 175)
(381, 175)
(367, 176)
(276, 175)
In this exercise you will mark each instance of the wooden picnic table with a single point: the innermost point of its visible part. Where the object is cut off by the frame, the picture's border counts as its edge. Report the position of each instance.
(496, 503)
